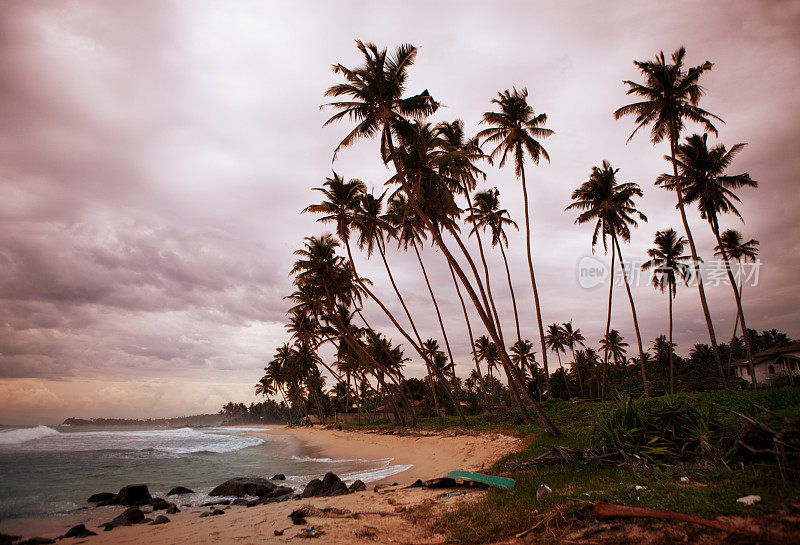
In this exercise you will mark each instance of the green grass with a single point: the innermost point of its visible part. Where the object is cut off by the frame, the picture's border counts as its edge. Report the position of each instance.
(712, 489)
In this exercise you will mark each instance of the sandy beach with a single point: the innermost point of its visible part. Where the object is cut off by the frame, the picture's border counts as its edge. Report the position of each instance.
(391, 514)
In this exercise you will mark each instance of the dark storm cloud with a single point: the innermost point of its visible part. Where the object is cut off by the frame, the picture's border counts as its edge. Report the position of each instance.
(154, 157)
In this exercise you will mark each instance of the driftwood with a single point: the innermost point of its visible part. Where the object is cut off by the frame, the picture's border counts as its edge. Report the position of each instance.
(603, 511)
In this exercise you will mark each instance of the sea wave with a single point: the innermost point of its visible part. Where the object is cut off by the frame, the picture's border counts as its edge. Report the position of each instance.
(325, 460)
(23, 435)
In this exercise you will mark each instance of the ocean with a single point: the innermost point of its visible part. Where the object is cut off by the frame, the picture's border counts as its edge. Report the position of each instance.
(47, 473)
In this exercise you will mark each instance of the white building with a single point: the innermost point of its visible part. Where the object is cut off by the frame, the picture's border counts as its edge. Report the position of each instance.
(771, 364)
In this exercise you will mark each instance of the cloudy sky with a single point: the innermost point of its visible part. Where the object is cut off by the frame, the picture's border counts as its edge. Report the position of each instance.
(155, 156)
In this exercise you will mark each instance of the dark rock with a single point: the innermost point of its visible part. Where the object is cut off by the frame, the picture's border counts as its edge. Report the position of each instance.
(172, 510)
(240, 501)
(213, 503)
(133, 494)
(7, 539)
(101, 497)
(216, 512)
(357, 486)
(206, 514)
(298, 517)
(330, 485)
(160, 519)
(244, 486)
(145, 520)
(78, 531)
(278, 477)
(179, 490)
(37, 541)
(160, 504)
(128, 517)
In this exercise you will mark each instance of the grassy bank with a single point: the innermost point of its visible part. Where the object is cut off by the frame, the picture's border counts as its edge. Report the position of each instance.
(706, 486)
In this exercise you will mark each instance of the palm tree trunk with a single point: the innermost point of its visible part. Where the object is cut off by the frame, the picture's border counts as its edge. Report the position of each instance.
(469, 332)
(736, 322)
(577, 371)
(635, 319)
(435, 304)
(563, 375)
(533, 276)
(671, 351)
(511, 289)
(695, 262)
(548, 425)
(608, 327)
(737, 298)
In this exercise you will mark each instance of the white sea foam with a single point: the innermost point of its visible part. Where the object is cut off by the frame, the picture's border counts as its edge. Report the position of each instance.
(23, 435)
(325, 460)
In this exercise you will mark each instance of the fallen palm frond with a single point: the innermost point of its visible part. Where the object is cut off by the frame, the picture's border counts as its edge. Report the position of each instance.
(567, 455)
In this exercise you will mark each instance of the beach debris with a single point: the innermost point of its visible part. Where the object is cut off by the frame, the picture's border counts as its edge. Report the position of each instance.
(278, 532)
(179, 491)
(130, 516)
(367, 532)
(173, 510)
(330, 485)
(298, 517)
(101, 497)
(416, 484)
(357, 486)
(594, 528)
(278, 477)
(684, 480)
(244, 486)
(311, 532)
(749, 500)
(543, 490)
(160, 519)
(603, 511)
(383, 488)
(391, 501)
(78, 531)
(468, 477)
(400, 509)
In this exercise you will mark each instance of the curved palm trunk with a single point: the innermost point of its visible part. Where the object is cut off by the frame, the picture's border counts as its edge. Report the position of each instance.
(409, 406)
(695, 262)
(428, 363)
(469, 332)
(435, 304)
(635, 319)
(736, 322)
(511, 289)
(515, 381)
(671, 351)
(577, 370)
(715, 229)
(608, 327)
(533, 277)
(548, 425)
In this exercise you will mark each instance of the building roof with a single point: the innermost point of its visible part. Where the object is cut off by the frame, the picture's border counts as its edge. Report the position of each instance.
(771, 355)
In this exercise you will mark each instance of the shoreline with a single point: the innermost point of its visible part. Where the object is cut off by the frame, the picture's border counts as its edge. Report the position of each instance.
(388, 511)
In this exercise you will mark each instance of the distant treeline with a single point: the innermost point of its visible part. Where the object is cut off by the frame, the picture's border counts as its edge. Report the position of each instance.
(264, 412)
(194, 420)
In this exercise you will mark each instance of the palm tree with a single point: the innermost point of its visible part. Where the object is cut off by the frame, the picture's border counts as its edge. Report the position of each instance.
(741, 251)
(610, 204)
(374, 100)
(669, 265)
(555, 340)
(487, 214)
(516, 129)
(572, 338)
(701, 178)
(614, 344)
(524, 356)
(487, 352)
(670, 97)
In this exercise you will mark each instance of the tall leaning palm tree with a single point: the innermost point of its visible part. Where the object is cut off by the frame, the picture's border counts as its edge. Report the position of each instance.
(610, 205)
(669, 97)
(701, 179)
(669, 265)
(372, 96)
(573, 337)
(516, 129)
(741, 251)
